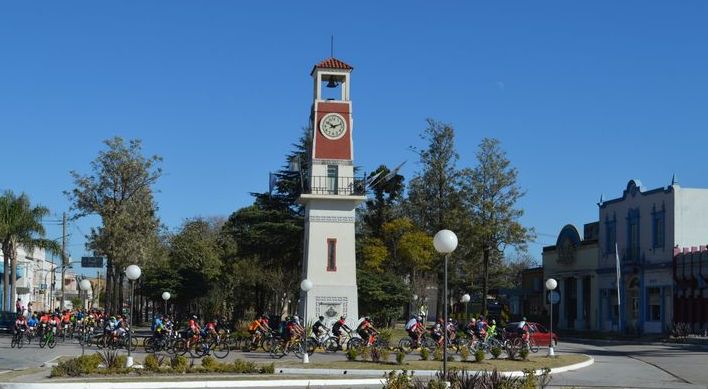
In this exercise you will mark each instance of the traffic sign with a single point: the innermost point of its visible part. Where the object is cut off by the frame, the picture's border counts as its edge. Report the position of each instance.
(91, 261)
(554, 297)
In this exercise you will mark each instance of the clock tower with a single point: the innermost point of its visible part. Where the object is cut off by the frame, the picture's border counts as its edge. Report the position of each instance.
(331, 194)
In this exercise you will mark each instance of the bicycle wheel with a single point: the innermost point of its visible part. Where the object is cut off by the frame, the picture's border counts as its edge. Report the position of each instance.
(311, 344)
(20, 341)
(52, 342)
(533, 346)
(278, 350)
(43, 341)
(220, 350)
(13, 343)
(299, 349)
(330, 345)
(180, 347)
(199, 350)
(268, 344)
(355, 343)
(149, 345)
(429, 344)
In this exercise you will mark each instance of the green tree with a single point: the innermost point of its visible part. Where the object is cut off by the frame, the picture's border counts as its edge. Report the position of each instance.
(119, 190)
(20, 226)
(434, 199)
(387, 190)
(491, 193)
(195, 255)
(382, 295)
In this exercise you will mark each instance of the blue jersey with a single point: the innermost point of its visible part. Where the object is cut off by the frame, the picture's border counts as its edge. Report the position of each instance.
(32, 322)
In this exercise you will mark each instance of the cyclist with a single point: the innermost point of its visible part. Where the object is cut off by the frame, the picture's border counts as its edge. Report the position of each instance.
(32, 324)
(436, 332)
(481, 328)
(492, 329)
(20, 323)
(319, 329)
(257, 328)
(523, 330)
(89, 324)
(65, 321)
(53, 323)
(111, 325)
(451, 329)
(193, 330)
(366, 330)
(338, 327)
(158, 327)
(292, 331)
(210, 330)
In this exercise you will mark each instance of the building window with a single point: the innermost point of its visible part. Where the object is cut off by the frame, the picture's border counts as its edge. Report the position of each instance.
(653, 304)
(658, 229)
(331, 254)
(633, 235)
(610, 236)
(332, 174)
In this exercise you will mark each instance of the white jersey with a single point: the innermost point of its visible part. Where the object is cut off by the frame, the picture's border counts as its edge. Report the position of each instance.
(410, 324)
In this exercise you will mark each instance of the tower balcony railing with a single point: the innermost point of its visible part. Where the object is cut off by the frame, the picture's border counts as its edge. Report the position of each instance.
(335, 186)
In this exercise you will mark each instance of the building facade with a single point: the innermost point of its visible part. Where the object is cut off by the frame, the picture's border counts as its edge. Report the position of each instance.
(639, 230)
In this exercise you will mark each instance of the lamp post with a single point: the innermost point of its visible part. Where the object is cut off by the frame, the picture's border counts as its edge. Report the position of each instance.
(305, 286)
(551, 284)
(445, 242)
(465, 299)
(166, 296)
(85, 285)
(133, 272)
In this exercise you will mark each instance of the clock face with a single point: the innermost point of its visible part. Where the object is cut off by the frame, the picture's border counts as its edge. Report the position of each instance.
(333, 126)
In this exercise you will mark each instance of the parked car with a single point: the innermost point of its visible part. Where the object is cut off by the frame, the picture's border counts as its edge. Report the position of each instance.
(539, 333)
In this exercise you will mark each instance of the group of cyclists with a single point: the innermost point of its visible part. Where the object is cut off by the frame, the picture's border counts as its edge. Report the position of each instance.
(69, 322)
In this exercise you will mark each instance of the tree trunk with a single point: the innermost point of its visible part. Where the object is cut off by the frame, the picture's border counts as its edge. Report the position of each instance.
(121, 290)
(5, 279)
(485, 282)
(13, 280)
(108, 295)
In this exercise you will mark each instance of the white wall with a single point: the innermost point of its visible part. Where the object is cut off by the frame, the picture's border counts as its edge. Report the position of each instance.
(691, 211)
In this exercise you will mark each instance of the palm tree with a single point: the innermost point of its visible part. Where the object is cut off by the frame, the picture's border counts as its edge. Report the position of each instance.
(20, 226)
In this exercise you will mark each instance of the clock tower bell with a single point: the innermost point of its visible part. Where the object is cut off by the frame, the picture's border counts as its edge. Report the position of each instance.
(331, 194)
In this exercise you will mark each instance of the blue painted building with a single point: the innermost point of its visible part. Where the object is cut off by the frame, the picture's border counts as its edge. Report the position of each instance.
(641, 228)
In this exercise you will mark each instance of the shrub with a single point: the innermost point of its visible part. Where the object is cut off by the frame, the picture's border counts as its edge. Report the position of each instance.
(395, 380)
(365, 353)
(400, 356)
(496, 352)
(524, 353)
(267, 369)
(424, 354)
(376, 354)
(109, 359)
(180, 364)
(386, 334)
(151, 363)
(351, 354)
(384, 354)
(74, 367)
(438, 354)
(511, 351)
(245, 367)
(121, 361)
(479, 355)
(209, 363)
(464, 353)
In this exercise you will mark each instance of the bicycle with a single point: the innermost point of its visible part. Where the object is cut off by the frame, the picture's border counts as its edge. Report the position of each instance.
(47, 339)
(296, 346)
(407, 345)
(18, 339)
(328, 342)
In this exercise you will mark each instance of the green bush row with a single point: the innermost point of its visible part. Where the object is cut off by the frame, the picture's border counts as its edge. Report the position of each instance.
(89, 364)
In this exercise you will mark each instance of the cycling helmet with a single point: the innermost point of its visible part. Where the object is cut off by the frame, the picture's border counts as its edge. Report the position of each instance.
(494, 321)
(342, 317)
(419, 318)
(524, 318)
(321, 317)
(296, 318)
(449, 319)
(367, 318)
(194, 317)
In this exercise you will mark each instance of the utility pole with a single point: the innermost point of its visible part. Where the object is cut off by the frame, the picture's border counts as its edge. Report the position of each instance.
(63, 257)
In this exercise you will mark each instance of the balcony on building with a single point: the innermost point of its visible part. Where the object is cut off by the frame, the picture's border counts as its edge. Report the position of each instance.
(335, 186)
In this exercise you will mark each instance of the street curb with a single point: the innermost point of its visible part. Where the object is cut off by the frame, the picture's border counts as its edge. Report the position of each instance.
(199, 384)
(270, 383)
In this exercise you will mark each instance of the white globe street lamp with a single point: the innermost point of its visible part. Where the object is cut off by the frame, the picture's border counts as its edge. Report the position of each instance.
(305, 286)
(166, 296)
(445, 242)
(551, 284)
(133, 272)
(85, 285)
(465, 299)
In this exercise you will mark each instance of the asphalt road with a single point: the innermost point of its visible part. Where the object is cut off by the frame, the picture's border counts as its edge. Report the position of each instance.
(616, 365)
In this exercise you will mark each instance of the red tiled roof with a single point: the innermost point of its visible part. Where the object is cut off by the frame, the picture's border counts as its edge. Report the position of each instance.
(332, 63)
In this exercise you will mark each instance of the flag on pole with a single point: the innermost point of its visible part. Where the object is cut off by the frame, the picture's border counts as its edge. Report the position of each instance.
(619, 276)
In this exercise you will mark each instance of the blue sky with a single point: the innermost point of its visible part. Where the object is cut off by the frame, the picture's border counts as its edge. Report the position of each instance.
(583, 95)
